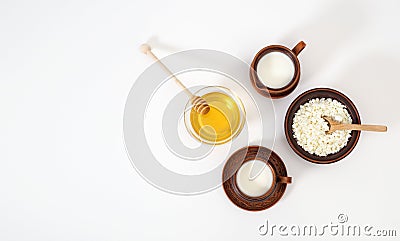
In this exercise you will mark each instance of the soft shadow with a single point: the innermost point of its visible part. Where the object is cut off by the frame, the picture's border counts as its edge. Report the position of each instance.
(372, 83)
(155, 42)
(326, 33)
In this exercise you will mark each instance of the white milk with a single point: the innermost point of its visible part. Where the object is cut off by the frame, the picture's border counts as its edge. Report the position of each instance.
(275, 70)
(254, 181)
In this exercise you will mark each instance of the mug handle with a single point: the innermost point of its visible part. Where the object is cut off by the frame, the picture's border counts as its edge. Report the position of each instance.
(286, 180)
(298, 48)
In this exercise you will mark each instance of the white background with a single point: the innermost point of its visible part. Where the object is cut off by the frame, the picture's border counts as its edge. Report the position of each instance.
(66, 68)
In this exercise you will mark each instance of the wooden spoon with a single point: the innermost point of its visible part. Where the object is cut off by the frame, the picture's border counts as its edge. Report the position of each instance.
(199, 104)
(336, 125)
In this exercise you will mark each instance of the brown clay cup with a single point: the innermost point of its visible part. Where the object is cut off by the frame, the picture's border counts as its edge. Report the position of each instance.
(287, 89)
(275, 178)
(273, 161)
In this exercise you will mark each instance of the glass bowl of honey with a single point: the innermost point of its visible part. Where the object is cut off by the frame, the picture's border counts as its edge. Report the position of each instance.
(222, 123)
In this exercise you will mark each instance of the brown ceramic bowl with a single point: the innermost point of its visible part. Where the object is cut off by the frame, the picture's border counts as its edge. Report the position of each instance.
(285, 90)
(321, 93)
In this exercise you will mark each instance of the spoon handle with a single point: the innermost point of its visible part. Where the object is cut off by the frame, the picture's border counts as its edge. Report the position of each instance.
(359, 127)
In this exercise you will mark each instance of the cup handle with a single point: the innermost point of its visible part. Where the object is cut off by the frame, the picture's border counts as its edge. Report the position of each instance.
(286, 180)
(298, 48)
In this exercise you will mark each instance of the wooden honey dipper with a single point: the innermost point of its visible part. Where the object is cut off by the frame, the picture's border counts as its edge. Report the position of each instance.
(199, 104)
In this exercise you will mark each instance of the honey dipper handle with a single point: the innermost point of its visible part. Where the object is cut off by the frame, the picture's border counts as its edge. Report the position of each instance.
(146, 49)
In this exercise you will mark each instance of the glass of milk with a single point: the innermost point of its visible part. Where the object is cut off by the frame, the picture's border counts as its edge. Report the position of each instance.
(275, 70)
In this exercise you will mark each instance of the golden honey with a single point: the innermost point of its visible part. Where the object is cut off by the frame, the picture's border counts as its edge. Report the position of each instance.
(221, 123)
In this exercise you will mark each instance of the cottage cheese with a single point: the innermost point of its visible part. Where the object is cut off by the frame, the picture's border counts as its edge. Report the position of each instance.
(309, 127)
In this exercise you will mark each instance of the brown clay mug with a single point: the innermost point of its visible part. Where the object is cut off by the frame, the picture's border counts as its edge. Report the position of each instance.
(281, 91)
(266, 170)
(274, 164)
